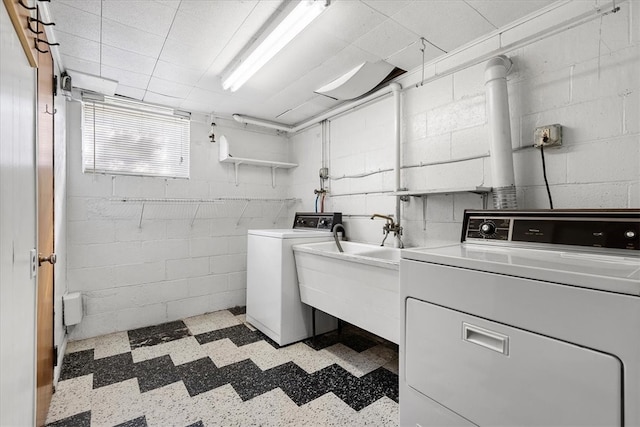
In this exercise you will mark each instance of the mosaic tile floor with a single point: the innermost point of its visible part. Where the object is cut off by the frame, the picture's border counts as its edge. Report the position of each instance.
(217, 370)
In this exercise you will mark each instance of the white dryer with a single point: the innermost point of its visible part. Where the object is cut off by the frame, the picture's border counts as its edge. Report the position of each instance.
(273, 296)
(532, 320)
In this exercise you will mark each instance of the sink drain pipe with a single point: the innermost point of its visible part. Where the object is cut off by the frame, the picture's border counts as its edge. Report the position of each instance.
(502, 173)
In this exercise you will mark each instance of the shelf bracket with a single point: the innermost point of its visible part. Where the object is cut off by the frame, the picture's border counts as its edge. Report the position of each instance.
(273, 177)
(242, 213)
(236, 165)
(141, 215)
(195, 214)
(279, 211)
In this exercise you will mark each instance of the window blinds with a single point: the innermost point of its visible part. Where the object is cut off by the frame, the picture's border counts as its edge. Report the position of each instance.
(131, 138)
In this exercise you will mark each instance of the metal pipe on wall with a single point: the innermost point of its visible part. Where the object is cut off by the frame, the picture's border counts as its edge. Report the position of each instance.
(502, 173)
(396, 89)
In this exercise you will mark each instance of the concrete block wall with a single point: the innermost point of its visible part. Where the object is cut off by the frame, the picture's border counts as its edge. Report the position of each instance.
(168, 266)
(586, 78)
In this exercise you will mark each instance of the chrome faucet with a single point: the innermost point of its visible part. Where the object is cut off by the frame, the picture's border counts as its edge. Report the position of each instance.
(390, 227)
(335, 230)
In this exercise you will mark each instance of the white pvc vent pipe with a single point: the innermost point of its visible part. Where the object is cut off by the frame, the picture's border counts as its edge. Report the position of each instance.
(504, 188)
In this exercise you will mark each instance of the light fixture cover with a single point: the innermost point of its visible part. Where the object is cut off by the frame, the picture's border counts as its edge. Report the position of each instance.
(301, 16)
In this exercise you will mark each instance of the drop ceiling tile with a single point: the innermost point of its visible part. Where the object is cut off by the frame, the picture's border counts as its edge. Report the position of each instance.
(127, 78)
(131, 39)
(94, 7)
(218, 11)
(411, 56)
(192, 30)
(156, 98)
(506, 11)
(243, 34)
(169, 3)
(194, 55)
(176, 73)
(387, 7)
(149, 16)
(130, 92)
(386, 39)
(348, 20)
(78, 47)
(446, 23)
(210, 81)
(169, 88)
(126, 60)
(79, 64)
(296, 59)
(75, 21)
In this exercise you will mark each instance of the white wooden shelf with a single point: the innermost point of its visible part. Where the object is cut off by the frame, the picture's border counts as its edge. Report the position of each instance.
(226, 157)
(421, 193)
(482, 191)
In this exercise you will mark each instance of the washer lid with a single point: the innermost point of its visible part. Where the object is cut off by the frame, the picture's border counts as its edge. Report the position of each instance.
(613, 273)
(291, 233)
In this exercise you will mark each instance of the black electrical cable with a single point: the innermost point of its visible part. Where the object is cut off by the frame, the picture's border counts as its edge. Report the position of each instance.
(544, 173)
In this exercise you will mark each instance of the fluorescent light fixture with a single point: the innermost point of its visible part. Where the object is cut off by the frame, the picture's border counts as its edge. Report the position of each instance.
(301, 16)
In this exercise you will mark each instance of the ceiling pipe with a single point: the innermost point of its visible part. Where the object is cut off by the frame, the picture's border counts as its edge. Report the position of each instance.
(315, 120)
(504, 187)
(263, 123)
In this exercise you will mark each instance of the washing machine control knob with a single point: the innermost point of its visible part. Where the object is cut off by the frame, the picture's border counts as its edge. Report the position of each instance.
(487, 228)
(630, 234)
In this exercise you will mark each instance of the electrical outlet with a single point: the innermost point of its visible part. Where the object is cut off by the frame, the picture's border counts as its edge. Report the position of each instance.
(548, 136)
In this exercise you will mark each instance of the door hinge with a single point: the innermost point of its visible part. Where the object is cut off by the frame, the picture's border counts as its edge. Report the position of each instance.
(55, 85)
(55, 356)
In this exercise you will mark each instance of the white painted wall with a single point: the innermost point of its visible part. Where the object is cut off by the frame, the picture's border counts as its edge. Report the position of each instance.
(167, 269)
(60, 224)
(17, 230)
(586, 78)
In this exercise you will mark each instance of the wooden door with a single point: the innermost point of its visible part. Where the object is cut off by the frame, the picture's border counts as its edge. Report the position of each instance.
(45, 352)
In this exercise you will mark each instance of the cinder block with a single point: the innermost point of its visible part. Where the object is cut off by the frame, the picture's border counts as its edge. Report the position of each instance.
(462, 201)
(470, 142)
(90, 279)
(93, 326)
(134, 274)
(455, 175)
(159, 292)
(440, 208)
(139, 317)
(428, 96)
(135, 186)
(208, 285)
(458, 115)
(187, 267)
(160, 250)
(207, 246)
(89, 185)
(188, 307)
(607, 195)
(631, 110)
(102, 255)
(237, 280)
(634, 195)
(605, 161)
(95, 231)
(469, 82)
(527, 165)
(127, 230)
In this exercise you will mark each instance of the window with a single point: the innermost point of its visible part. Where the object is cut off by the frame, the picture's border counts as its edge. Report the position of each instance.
(132, 138)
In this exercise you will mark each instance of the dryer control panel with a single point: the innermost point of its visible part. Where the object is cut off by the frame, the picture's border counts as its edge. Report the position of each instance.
(317, 220)
(609, 229)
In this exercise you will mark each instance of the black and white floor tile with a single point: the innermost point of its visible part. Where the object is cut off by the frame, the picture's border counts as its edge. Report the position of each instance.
(217, 370)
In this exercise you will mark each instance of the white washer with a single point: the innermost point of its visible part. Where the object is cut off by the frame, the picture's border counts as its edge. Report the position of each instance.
(533, 319)
(273, 296)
